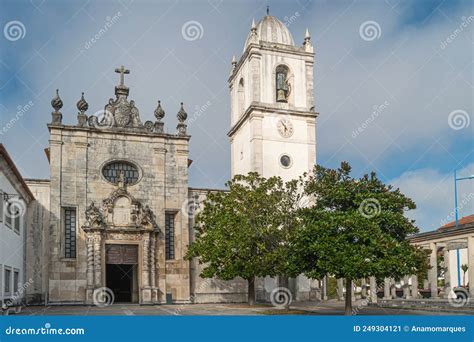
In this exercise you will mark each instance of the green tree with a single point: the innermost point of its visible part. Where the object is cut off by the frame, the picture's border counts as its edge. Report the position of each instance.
(356, 229)
(243, 232)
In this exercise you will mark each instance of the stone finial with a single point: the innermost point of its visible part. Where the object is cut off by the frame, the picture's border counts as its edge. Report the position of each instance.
(307, 42)
(57, 104)
(82, 106)
(159, 112)
(159, 115)
(253, 32)
(234, 63)
(182, 116)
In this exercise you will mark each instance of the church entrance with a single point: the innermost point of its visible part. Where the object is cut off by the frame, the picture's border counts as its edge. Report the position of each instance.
(122, 272)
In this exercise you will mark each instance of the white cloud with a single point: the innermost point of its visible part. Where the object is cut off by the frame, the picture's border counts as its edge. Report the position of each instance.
(433, 192)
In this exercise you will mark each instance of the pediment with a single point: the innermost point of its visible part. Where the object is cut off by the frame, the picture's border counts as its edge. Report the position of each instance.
(120, 211)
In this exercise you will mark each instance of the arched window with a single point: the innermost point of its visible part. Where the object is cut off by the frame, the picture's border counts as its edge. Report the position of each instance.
(118, 169)
(283, 87)
(240, 97)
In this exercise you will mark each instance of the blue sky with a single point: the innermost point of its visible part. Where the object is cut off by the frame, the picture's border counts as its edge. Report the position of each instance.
(422, 77)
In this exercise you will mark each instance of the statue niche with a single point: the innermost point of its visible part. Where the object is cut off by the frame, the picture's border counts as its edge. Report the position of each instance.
(283, 86)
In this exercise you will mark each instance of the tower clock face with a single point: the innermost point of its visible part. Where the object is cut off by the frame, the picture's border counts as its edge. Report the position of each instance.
(285, 128)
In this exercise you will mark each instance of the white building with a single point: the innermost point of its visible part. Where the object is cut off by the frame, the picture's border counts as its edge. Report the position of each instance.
(14, 196)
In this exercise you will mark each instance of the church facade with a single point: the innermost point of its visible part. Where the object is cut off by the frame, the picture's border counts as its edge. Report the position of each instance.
(117, 212)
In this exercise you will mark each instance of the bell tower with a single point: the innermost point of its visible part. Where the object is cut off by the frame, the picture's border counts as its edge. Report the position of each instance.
(273, 120)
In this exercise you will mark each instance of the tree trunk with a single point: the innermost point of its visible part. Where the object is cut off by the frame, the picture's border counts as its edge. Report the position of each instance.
(348, 309)
(251, 291)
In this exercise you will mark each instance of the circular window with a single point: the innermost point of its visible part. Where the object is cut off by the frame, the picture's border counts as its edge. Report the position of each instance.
(285, 161)
(115, 170)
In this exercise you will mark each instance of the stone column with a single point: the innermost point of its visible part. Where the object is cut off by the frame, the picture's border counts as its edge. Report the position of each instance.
(90, 268)
(433, 272)
(363, 285)
(90, 260)
(406, 287)
(340, 287)
(325, 288)
(373, 290)
(470, 263)
(393, 288)
(98, 260)
(414, 286)
(386, 289)
(447, 273)
(152, 260)
(146, 261)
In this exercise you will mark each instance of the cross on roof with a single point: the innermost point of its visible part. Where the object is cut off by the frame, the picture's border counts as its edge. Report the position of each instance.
(122, 71)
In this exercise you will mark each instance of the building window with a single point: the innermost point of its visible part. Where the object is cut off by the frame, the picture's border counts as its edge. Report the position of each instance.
(7, 279)
(115, 170)
(16, 223)
(285, 161)
(241, 97)
(169, 235)
(70, 233)
(16, 280)
(9, 213)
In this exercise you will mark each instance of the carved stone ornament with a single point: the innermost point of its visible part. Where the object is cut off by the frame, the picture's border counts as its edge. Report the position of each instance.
(94, 216)
(121, 210)
(119, 112)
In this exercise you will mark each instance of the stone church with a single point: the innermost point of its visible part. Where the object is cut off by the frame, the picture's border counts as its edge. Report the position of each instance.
(117, 211)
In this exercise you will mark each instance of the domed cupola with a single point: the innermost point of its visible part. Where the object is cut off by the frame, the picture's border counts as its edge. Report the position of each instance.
(270, 30)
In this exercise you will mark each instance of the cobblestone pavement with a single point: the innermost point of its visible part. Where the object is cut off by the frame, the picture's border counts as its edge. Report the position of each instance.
(326, 308)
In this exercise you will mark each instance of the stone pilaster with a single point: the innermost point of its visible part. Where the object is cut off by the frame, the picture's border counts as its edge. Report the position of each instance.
(373, 290)
(363, 286)
(386, 289)
(433, 272)
(98, 260)
(414, 286)
(447, 273)
(90, 268)
(406, 287)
